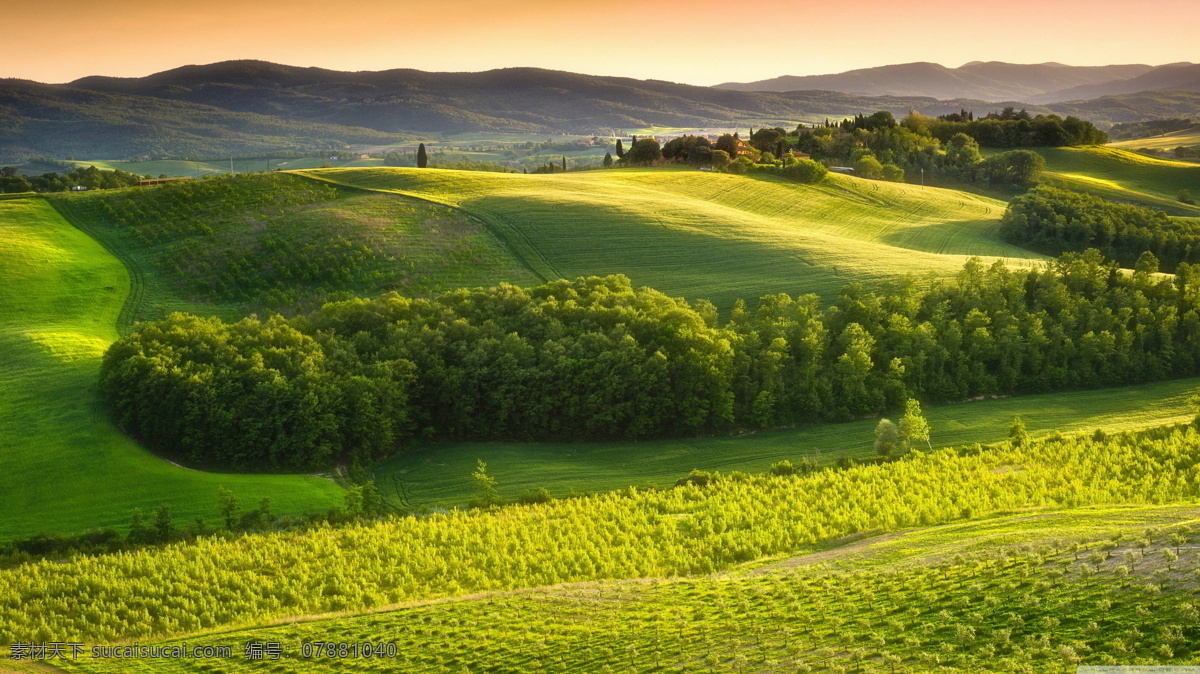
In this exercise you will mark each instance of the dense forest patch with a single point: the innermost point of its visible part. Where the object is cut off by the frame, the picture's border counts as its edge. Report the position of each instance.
(594, 358)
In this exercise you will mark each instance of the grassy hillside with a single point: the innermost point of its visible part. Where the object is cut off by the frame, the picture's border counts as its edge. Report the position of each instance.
(1166, 141)
(195, 169)
(230, 245)
(1120, 175)
(66, 467)
(710, 235)
(440, 476)
(959, 596)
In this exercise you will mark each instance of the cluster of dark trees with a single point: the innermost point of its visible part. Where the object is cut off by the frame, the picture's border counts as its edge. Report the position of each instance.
(91, 177)
(595, 358)
(902, 151)
(1055, 221)
(1040, 131)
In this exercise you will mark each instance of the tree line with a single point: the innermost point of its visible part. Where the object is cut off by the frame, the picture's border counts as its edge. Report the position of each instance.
(1056, 221)
(91, 177)
(595, 358)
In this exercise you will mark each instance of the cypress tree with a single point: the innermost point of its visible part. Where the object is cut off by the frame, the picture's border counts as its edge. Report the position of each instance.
(422, 157)
(564, 163)
(608, 160)
(620, 150)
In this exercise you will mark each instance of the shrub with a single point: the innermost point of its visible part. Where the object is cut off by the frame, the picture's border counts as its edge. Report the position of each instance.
(805, 171)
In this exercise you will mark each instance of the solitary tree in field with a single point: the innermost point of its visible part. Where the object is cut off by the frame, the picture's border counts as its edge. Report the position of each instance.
(887, 436)
(486, 484)
(422, 157)
(913, 425)
(162, 523)
(620, 149)
(564, 163)
(227, 503)
(1017, 435)
(608, 160)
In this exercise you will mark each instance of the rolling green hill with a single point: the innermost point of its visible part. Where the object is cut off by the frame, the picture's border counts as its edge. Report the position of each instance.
(234, 244)
(440, 476)
(711, 235)
(1166, 141)
(66, 467)
(1121, 175)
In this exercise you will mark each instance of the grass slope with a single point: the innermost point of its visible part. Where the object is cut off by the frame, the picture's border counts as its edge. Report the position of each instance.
(1018, 593)
(231, 245)
(1124, 176)
(1166, 141)
(66, 467)
(710, 235)
(440, 476)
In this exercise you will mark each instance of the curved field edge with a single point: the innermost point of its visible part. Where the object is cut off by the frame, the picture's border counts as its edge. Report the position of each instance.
(219, 582)
(713, 236)
(67, 467)
(440, 475)
(813, 610)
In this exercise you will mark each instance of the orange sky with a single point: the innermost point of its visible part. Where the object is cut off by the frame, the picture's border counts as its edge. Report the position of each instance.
(694, 41)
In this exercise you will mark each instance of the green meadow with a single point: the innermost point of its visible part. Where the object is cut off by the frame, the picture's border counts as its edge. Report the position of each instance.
(1166, 141)
(1124, 176)
(440, 475)
(234, 245)
(713, 236)
(67, 468)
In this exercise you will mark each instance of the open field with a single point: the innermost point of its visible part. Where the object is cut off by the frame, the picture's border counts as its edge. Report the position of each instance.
(276, 241)
(440, 475)
(1124, 176)
(66, 467)
(710, 235)
(1166, 141)
(195, 169)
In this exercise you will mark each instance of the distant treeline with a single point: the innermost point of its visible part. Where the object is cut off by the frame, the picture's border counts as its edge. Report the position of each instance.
(1056, 221)
(91, 177)
(596, 359)
(1152, 127)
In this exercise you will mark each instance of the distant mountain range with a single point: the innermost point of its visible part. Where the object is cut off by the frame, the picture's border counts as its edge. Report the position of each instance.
(254, 106)
(992, 81)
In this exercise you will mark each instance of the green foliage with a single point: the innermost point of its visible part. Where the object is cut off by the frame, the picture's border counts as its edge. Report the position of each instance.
(1019, 437)
(594, 359)
(1055, 221)
(1185, 197)
(1018, 129)
(91, 178)
(805, 171)
(1015, 167)
(913, 425)
(644, 152)
(887, 438)
(253, 394)
(868, 167)
(689, 530)
(485, 486)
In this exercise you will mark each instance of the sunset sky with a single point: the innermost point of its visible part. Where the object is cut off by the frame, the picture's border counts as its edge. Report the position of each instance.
(693, 41)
